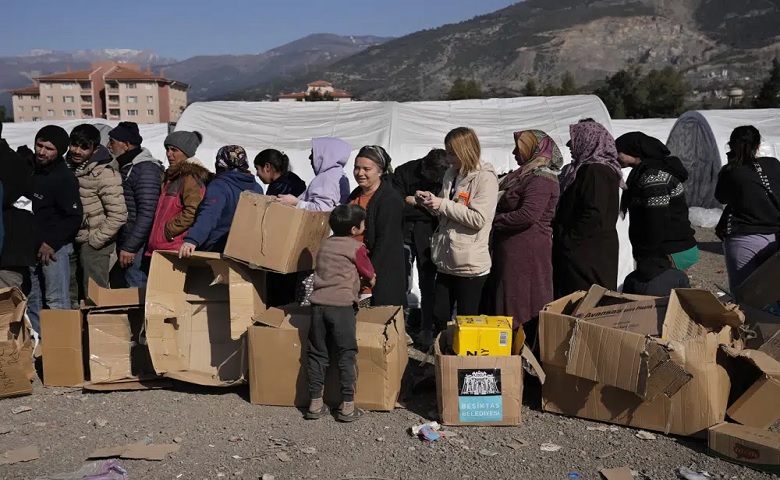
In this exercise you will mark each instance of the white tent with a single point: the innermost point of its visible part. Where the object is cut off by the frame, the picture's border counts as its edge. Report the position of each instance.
(23, 133)
(654, 127)
(407, 130)
(700, 139)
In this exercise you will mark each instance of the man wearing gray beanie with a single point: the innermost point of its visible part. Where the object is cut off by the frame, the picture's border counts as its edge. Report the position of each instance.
(183, 189)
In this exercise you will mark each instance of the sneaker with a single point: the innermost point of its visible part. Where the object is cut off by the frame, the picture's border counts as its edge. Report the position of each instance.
(317, 414)
(351, 417)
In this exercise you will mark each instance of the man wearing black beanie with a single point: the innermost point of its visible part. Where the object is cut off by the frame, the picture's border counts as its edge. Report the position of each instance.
(57, 216)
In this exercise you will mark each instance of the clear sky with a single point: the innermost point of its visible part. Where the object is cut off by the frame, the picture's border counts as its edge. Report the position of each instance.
(183, 28)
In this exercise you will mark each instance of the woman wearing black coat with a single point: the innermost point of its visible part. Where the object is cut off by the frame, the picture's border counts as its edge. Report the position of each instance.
(384, 235)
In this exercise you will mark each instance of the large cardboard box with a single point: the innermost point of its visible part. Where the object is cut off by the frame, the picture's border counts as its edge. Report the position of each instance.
(197, 313)
(748, 446)
(480, 390)
(16, 353)
(278, 361)
(757, 406)
(266, 234)
(695, 325)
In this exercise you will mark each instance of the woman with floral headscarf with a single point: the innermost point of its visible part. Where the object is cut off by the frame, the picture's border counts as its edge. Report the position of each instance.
(216, 211)
(585, 239)
(522, 231)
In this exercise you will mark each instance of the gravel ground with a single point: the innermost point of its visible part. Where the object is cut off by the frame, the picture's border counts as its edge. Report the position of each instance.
(223, 436)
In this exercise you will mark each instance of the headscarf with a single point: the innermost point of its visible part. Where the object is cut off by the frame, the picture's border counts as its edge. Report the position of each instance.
(542, 157)
(591, 143)
(232, 157)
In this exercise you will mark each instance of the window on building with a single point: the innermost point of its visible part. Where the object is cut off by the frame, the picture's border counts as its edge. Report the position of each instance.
(150, 99)
(46, 86)
(67, 86)
(36, 109)
(132, 113)
(113, 99)
(35, 119)
(49, 113)
(49, 99)
(131, 99)
(150, 112)
(149, 86)
(85, 85)
(130, 85)
(35, 97)
(21, 119)
(70, 113)
(67, 99)
(20, 108)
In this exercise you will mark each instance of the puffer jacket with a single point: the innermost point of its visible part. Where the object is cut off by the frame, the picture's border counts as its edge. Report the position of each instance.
(141, 179)
(460, 245)
(102, 198)
(182, 192)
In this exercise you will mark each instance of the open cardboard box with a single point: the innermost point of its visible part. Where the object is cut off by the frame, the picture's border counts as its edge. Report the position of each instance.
(481, 390)
(268, 235)
(672, 382)
(278, 360)
(198, 310)
(758, 405)
(17, 368)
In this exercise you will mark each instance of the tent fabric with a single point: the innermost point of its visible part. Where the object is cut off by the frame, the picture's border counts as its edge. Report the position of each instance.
(700, 139)
(23, 133)
(655, 127)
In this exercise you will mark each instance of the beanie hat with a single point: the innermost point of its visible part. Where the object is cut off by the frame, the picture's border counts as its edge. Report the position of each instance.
(126, 132)
(187, 142)
(57, 136)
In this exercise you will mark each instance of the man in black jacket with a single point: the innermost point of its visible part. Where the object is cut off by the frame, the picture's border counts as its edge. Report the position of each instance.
(425, 174)
(142, 180)
(57, 209)
(19, 252)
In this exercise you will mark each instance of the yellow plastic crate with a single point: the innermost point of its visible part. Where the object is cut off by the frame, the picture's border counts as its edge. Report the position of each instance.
(483, 336)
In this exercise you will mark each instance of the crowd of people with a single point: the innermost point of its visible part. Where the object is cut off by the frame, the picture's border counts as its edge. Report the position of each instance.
(75, 210)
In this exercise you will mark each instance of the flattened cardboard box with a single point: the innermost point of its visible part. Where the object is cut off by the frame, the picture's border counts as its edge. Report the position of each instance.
(16, 354)
(695, 325)
(479, 390)
(748, 446)
(63, 350)
(758, 406)
(278, 361)
(266, 234)
(197, 314)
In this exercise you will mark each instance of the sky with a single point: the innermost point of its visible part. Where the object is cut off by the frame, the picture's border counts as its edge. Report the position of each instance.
(184, 28)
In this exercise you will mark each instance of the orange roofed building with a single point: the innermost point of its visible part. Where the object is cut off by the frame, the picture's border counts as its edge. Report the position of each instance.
(323, 88)
(110, 90)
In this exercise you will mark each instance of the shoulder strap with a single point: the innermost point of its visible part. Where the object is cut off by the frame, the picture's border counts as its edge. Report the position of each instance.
(767, 186)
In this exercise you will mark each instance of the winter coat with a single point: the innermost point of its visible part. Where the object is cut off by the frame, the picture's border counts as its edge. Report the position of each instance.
(182, 192)
(56, 204)
(330, 186)
(460, 245)
(216, 211)
(102, 199)
(408, 179)
(287, 184)
(750, 210)
(384, 239)
(141, 180)
(19, 249)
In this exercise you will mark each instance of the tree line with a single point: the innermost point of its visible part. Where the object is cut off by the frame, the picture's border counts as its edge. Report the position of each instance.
(631, 92)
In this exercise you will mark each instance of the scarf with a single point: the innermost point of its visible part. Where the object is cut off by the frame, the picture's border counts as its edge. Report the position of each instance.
(591, 143)
(232, 157)
(537, 153)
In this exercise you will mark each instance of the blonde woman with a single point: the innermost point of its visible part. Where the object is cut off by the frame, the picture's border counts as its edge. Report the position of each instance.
(466, 208)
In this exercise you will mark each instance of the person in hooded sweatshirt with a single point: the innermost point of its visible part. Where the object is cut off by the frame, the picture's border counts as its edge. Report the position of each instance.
(182, 191)
(141, 180)
(57, 216)
(216, 211)
(662, 239)
(103, 201)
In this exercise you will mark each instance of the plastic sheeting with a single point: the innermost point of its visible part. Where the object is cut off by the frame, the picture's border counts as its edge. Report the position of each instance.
(654, 127)
(23, 133)
(700, 139)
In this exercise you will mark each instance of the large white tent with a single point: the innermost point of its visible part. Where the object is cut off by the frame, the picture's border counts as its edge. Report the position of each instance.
(23, 133)
(700, 139)
(407, 130)
(654, 127)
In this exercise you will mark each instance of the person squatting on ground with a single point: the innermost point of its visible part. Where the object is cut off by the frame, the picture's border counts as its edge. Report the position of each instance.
(342, 262)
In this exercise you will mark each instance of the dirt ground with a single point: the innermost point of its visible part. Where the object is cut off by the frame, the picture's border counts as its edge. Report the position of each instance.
(223, 436)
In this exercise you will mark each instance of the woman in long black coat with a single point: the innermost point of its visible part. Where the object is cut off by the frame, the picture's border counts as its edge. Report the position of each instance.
(384, 235)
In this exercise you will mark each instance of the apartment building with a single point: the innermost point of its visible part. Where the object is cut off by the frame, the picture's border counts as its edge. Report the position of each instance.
(110, 90)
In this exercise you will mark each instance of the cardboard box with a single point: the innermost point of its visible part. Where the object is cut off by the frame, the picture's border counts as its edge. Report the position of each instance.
(266, 234)
(748, 446)
(757, 406)
(695, 325)
(480, 390)
(483, 335)
(63, 350)
(278, 361)
(197, 314)
(17, 368)
(760, 289)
